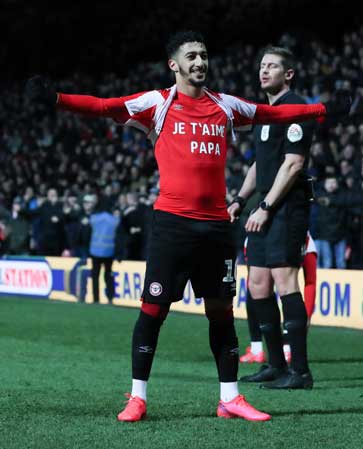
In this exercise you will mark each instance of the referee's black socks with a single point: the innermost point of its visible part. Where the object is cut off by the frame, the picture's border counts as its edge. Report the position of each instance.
(268, 315)
(253, 324)
(295, 322)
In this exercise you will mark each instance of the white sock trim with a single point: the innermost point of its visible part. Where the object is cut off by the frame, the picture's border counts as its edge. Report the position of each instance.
(229, 390)
(287, 348)
(256, 347)
(139, 388)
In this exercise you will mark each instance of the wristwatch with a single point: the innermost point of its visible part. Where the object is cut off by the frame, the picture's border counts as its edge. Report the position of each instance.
(240, 200)
(265, 206)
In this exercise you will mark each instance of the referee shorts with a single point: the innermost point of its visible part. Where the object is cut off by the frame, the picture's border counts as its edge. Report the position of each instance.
(282, 241)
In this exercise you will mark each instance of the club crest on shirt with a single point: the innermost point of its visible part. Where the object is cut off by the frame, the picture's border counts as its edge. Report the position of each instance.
(265, 132)
(294, 133)
(178, 107)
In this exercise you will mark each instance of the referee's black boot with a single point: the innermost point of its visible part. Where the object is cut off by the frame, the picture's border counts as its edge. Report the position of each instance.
(291, 380)
(265, 374)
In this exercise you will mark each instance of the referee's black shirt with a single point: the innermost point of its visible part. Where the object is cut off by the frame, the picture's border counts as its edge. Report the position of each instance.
(272, 142)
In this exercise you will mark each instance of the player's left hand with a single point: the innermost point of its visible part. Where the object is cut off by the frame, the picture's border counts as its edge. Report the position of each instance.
(256, 220)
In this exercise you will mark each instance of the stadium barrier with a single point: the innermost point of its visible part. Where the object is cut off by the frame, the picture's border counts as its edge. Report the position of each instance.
(339, 300)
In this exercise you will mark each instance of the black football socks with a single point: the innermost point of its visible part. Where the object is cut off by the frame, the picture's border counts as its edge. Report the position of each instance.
(268, 315)
(253, 324)
(295, 322)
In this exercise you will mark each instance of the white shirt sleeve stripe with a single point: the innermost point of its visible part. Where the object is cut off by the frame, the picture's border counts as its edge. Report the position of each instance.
(143, 102)
(310, 247)
(243, 107)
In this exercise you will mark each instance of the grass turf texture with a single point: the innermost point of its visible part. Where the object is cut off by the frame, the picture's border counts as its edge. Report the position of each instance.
(65, 367)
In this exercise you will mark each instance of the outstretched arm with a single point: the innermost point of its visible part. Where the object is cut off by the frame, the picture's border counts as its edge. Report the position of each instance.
(249, 113)
(89, 105)
(288, 113)
(40, 90)
(338, 106)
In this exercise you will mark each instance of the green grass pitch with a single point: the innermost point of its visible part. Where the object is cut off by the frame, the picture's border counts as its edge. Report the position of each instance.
(65, 367)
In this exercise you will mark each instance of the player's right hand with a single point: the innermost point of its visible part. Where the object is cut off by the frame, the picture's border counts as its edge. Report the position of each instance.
(234, 211)
(39, 89)
(340, 104)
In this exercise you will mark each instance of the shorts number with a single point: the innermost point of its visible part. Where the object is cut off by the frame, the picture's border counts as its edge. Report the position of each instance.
(229, 277)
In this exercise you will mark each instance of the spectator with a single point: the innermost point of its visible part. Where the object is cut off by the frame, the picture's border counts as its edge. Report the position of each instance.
(51, 225)
(133, 226)
(84, 229)
(18, 229)
(331, 235)
(71, 211)
(103, 248)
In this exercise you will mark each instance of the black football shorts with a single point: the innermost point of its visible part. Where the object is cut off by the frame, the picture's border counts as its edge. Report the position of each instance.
(282, 241)
(182, 249)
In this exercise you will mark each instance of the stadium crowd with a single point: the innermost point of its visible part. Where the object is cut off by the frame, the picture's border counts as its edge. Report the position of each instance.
(55, 166)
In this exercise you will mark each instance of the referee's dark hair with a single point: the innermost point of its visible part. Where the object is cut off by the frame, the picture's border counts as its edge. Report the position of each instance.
(287, 56)
(180, 38)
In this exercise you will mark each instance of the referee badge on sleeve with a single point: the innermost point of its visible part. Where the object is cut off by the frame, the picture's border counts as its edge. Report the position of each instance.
(294, 133)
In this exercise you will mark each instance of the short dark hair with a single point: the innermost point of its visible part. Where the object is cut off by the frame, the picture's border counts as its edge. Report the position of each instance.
(287, 56)
(180, 38)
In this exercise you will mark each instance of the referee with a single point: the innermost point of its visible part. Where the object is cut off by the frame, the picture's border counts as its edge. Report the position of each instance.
(277, 228)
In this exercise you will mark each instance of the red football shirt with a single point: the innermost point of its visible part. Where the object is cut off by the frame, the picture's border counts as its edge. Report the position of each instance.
(191, 155)
(191, 148)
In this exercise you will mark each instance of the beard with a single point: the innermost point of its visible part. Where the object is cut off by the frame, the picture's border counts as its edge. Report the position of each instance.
(197, 83)
(194, 82)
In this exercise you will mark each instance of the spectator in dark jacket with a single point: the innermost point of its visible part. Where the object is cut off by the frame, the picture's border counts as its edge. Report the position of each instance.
(331, 233)
(133, 225)
(51, 225)
(349, 200)
(84, 229)
(18, 229)
(72, 211)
